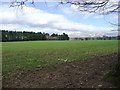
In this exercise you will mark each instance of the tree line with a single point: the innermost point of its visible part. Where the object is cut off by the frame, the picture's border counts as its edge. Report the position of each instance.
(98, 38)
(30, 36)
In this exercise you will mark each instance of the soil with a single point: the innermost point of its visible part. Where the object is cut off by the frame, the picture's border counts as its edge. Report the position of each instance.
(76, 74)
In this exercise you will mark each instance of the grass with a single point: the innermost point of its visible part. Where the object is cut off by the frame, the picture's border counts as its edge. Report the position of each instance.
(17, 56)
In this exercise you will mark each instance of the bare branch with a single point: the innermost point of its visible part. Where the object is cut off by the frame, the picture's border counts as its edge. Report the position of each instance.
(100, 6)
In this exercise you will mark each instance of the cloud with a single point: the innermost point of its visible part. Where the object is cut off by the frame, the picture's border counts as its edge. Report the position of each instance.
(32, 19)
(76, 9)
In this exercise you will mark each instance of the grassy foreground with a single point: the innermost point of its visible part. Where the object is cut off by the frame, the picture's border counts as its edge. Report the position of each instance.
(30, 54)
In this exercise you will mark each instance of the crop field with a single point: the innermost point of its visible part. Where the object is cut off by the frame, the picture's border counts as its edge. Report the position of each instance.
(27, 55)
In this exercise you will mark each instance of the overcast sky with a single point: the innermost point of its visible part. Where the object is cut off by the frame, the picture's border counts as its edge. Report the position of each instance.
(51, 18)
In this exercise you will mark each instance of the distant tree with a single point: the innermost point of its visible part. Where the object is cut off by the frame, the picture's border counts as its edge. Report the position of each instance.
(54, 35)
(118, 37)
(47, 34)
(63, 37)
(22, 36)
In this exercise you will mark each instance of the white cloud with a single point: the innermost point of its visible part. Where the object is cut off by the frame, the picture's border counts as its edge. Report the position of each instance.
(32, 19)
(97, 15)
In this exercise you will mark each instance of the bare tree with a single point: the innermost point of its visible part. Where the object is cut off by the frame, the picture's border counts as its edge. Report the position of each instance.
(93, 6)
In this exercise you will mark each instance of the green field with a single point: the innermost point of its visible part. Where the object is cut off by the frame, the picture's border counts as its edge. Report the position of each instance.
(30, 54)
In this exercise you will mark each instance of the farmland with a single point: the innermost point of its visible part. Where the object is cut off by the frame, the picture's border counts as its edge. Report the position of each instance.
(67, 63)
(27, 55)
